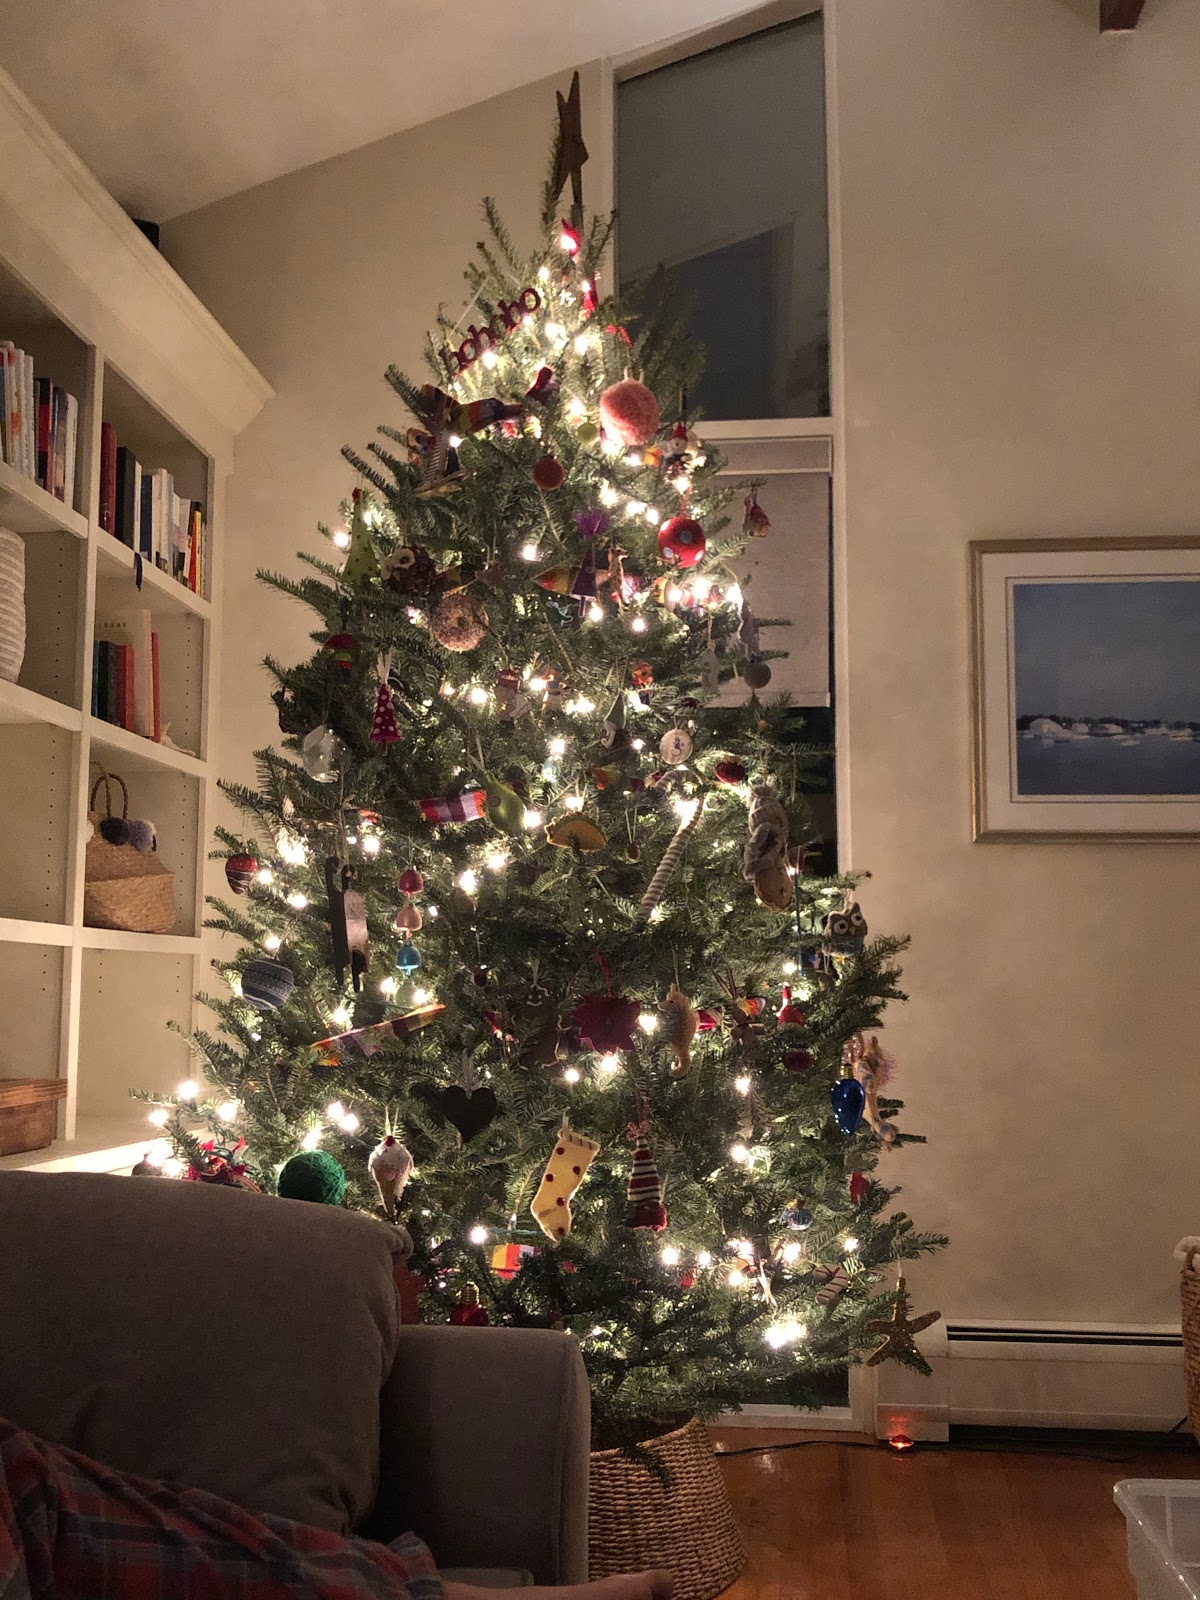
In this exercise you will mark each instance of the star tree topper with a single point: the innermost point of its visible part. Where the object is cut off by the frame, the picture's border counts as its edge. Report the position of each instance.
(899, 1334)
(570, 152)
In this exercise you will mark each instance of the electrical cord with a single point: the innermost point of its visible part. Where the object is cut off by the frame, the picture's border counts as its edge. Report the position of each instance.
(1003, 1442)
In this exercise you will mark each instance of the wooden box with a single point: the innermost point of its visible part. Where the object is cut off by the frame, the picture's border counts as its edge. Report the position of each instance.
(27, 1113)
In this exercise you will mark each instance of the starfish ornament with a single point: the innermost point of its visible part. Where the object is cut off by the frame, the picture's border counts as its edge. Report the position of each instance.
(899, 1332)
(570, 152)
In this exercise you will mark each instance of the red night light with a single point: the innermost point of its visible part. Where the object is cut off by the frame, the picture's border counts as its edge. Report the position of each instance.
(900, 1443)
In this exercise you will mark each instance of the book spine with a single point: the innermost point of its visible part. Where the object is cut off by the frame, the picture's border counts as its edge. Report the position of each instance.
(28, 417)
(143, 675)
(8, 358)
(128, 688)
(156, 693)
(45, 424)
(56, 479)
(72, 450)
(193, 568)
(145, 539)
(127, 502)
(95, 705)
(108, 477)
(112, 698)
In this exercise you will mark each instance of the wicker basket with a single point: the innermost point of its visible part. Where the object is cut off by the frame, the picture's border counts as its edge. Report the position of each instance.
(685, 1525)
(124, 888)
(12, 604)
(1189, 1296)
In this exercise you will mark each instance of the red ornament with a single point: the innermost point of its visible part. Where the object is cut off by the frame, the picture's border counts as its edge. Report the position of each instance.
(410, 881)
(341, 647)
(681, 539)
(859, 1184)
(568, 238)
(548, 474)
(797, 1060)
(731, 771)
(706, 1021)
(641, 675)
(468, 1313)
(383, 728)
(241, 872)
(644, 1191)
(789, 1013)
(590, 298)
(687, 1280)
(629, 412)
(606, 1022)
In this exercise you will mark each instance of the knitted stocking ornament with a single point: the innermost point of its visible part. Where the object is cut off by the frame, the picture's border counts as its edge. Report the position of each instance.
(644, 1192)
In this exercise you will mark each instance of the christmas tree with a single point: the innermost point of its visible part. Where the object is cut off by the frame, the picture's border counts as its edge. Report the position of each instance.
(529, 947)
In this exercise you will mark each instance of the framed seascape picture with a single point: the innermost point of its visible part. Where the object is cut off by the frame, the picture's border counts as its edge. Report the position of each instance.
(1086, 688)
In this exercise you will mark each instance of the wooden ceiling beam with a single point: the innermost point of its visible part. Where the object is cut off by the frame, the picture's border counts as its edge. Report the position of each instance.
(1120, 16)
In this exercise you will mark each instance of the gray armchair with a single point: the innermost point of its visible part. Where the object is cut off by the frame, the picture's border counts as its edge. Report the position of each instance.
(250, 1346)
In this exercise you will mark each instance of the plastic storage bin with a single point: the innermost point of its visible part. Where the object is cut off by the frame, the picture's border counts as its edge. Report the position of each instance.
(1162, 1524)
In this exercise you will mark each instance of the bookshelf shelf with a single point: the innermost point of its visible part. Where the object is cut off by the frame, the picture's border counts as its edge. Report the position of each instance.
(18, 704)
(158, 591)
(27, 508)
(103, 318)
(136, 753)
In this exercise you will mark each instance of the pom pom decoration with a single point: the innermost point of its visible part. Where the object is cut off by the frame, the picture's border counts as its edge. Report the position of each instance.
(681, 1025)
(266, 984)
(142, 836)
(312, 1175)
(390, 1164)
(241, 872)
(458, 622)
(572, 1155)
(468, 1313)
(681, 540)
(1185, 1253)
(644, 1191)
(114, 830)
(548, 474)
(629, 412)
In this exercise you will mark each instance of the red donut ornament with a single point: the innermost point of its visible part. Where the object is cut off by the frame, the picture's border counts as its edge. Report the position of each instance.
(681, 539)
(629, 412)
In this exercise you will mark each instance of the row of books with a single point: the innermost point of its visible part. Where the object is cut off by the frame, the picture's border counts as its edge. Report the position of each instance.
(125, 675)
(139, 506)
(39, 425)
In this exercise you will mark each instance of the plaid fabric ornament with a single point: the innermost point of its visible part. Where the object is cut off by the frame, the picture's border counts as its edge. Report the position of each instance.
(468, 807)
(644, 1191)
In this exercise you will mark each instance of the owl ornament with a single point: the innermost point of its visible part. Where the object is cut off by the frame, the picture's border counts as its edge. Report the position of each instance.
(845, 931)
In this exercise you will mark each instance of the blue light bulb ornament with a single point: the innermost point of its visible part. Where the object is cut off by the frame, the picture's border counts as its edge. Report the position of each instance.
(408, 958)
(797, 1217)
(848, 1098)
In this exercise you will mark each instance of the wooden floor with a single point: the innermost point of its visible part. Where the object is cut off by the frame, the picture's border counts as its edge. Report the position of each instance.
(838, 1522)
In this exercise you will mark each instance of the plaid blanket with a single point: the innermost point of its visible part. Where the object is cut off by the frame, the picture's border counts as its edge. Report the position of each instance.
(73, 1530)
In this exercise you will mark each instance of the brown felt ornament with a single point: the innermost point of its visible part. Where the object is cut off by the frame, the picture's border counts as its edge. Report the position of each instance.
(347, 922)
(606, 1022)
(681, 1025)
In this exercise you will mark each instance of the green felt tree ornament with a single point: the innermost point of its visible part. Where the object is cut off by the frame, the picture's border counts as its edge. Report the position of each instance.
(362, 561)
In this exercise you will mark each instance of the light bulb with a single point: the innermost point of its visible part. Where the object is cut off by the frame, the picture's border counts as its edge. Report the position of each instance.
(739, 1153)
(227, 1110)
(291, 847)
(554, 330)
(489, 358)
(527, 319)
(742, 1084)
(639, 744)
(780, 1334)
(851, 1246)
(477, 695)
(653, 516)
(610, 1063)
(335, 1111)
(272, 942)
(537, 684)
(297, 901)
(454, 441)
(265, 875)
(575, 406)
(633, 461)
(733, 595)
(608, 495)
(788, 968)
(468, 881)
(571, 1075)
(388, 986)
(311, 1139)
(581, 344)
(172, 1167)
(674, 595)
(573, 802)
(703, 1259)
(448, 690)
(431, 911)
(530, 552)
(341, 1016)
(611, 446)
(648, 1022)
(680, 482)
(595, 612)
(685, 809)
(371, 844)
(341, 538)
(557, 747)
(792, 1254)
(188, 1089)
(495, 861)
(634, 508)
(638, 625)
(158, 1118)
(737, 1278)
(420, 996)
(478, 1234)
(584, 707)
(543, 274)
(532, 819)
(669, 1255)
(349, 1123)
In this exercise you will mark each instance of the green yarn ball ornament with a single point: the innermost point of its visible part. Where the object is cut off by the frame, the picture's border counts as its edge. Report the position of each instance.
(312, 1175)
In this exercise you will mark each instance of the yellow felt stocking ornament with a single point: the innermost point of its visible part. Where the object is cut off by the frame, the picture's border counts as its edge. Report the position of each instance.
(569, 1160)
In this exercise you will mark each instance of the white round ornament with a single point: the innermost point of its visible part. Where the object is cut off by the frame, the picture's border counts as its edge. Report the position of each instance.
(675, 746)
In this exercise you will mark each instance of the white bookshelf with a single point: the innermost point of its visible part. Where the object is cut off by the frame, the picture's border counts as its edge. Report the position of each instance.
(105, 317)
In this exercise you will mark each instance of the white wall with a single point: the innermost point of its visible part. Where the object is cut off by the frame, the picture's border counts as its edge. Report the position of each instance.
(1020, 235)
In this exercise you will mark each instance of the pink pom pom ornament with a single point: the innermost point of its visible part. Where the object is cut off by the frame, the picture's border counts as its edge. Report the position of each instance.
(629, 412)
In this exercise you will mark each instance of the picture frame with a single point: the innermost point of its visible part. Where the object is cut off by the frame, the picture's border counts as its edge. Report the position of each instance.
(1086, 689)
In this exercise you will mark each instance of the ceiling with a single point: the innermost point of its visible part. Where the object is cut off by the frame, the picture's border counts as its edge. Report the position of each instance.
(175, 103)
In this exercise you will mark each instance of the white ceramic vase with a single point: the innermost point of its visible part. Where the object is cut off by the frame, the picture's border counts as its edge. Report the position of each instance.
(12, 604)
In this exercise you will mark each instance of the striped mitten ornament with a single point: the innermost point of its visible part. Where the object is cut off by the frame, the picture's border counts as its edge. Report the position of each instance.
(644, 1192)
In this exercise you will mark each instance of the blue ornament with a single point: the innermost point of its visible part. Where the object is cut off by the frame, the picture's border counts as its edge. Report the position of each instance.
(408, 958)
(266, 984)
(848, 1098)
(797, 1218)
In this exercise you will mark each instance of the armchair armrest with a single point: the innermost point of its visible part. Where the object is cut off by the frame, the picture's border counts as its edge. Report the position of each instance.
(485, 1436)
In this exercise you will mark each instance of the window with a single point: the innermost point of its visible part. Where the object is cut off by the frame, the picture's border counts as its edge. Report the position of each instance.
(721, 180)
